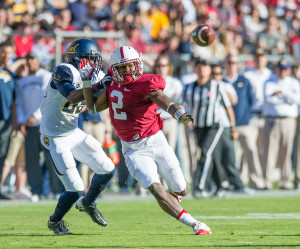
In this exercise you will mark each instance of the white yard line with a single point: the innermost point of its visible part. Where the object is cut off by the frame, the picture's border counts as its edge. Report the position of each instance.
(252, 216)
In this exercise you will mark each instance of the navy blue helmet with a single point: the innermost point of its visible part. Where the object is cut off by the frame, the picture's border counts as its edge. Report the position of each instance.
(84, 48)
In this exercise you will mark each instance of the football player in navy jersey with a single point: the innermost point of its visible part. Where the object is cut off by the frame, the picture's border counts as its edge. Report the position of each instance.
(63, 141)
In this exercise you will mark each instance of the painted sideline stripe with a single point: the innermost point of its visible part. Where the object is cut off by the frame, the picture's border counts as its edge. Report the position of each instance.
(255, 216)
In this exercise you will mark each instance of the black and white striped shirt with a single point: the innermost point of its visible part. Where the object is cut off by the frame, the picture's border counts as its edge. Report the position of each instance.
(205, 102)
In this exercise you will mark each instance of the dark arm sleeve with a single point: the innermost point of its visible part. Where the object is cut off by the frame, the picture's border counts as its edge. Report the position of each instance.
(62, 79)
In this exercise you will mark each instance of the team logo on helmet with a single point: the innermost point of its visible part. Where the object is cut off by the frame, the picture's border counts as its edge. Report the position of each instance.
(46, 141)
(72, 49)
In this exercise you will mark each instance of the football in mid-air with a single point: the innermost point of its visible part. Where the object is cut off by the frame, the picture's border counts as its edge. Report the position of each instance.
(203, 35)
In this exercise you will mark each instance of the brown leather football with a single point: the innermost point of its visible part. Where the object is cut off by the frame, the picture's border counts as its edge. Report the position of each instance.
(203, 35)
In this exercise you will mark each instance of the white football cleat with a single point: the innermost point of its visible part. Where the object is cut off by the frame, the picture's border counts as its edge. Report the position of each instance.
(201, 229)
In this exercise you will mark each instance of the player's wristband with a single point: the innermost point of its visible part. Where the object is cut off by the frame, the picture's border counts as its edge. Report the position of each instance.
(87, 84)
(179, 113)
(172, 103)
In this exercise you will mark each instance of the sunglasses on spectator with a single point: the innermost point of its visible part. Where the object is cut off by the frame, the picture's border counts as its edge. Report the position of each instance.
(217, 73)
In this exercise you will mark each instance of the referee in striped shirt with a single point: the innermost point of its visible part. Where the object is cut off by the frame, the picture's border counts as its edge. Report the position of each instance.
(203, 99)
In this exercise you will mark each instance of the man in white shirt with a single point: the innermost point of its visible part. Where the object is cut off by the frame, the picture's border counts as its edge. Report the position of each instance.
(280, 111)
(252, 170)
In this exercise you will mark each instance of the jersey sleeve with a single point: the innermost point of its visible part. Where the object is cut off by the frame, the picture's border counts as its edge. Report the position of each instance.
(154, 82)
(62, 80)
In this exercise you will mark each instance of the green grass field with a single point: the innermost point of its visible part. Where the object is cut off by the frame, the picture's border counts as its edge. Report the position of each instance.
(269, 221)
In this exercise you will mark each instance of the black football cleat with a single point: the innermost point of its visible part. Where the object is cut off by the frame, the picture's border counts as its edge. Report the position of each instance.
(92, 211)
(59, 227)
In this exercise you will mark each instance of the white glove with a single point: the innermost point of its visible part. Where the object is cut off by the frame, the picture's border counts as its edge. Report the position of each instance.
(85, 69)
(97, 76)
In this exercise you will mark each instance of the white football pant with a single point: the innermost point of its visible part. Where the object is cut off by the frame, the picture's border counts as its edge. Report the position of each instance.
(76, 145)
(150, 157)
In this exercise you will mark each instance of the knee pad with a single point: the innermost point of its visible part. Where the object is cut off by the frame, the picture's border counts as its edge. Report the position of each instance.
(107, 167)
(72, 180)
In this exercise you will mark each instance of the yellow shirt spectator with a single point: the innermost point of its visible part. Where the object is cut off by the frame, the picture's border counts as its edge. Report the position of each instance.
(160, 24)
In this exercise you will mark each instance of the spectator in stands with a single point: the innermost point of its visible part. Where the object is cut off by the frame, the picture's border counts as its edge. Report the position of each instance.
(16, 153)
(232, 41)
(79, 12)
(172, 51)
(176, 13)
(7, 97)
(23, 41)
(63, 21)
(159, 23)
(5, 29)
(45, 21)
(242, 112)
(55, 6)
(252, 25)
(91, 23)
(252, 168)
(296, 151)
(280, 111)
(21, 8)
(44, 46)
(270, 40)
(136, 40)
(228, 16)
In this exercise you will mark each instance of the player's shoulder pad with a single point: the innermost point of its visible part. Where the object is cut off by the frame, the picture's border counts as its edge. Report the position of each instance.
(62, 74)
(155, 81)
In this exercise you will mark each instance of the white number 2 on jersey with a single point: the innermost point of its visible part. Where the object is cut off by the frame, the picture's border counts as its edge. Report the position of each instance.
(119, 105)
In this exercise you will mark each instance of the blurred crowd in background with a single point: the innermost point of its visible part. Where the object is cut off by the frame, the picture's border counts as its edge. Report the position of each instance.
(255, 35)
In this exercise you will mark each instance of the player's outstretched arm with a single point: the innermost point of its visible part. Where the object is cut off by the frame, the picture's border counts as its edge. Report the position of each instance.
(177, 111)
(94, 104)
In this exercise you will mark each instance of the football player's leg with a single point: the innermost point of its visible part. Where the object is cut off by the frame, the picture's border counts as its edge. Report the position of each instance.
(173, 208)
(143, 168)
(89, 152)
(64, 165)
(169, 168)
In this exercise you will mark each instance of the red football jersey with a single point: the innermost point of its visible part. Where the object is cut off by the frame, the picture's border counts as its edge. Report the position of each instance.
(133, 115)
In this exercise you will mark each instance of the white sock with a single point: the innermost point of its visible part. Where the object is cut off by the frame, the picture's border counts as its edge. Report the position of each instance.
(186, 218)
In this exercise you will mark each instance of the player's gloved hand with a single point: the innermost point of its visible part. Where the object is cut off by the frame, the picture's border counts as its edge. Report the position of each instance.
(183, 117)
(105, 81)
(86, 72)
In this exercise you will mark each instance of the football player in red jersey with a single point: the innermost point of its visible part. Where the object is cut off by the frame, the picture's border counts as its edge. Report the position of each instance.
(133, 98)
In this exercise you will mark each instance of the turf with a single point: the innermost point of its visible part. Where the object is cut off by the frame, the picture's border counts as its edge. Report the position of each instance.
(246, 222)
